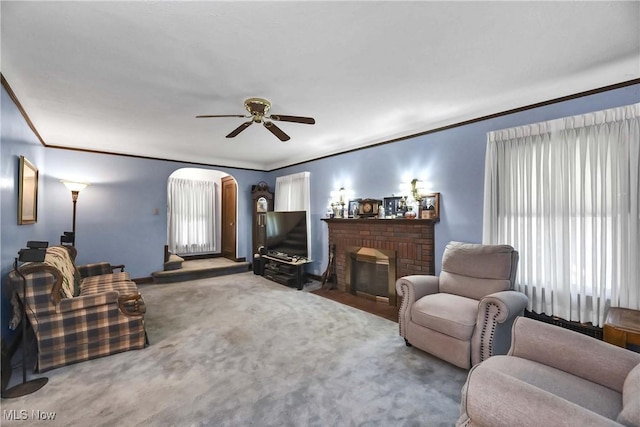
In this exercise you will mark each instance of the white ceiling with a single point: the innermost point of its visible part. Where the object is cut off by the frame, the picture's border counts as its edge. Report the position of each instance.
(130, 77)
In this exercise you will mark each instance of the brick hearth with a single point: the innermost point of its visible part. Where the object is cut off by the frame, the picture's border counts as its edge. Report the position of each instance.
(411, 239)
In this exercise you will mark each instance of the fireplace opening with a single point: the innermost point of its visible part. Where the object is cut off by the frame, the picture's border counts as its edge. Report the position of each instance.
(371, 273)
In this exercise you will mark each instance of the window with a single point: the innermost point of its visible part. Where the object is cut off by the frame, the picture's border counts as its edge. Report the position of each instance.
(191, 216)
(293, 194)
(565, 194)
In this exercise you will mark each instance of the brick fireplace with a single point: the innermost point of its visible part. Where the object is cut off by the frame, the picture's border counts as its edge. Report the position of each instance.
(371, 273)
(409, 241)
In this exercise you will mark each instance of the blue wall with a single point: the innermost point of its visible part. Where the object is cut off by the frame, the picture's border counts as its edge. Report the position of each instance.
(451, 161)
(16, 139)
(115, 214)
(115, 220)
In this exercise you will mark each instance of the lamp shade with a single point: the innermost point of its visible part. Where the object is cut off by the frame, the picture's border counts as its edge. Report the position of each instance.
(74, 186)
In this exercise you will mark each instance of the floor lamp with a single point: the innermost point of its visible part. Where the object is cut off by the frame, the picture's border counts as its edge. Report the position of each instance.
(75, 188)
(35, 253)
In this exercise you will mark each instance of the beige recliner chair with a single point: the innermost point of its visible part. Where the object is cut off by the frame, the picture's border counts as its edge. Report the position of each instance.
(463, 316)
(553, 377)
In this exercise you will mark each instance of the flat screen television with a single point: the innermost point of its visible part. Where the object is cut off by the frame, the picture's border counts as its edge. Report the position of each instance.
(287, 233)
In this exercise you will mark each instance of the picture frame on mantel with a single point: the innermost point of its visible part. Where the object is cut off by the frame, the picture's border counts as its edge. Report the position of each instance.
(27, 193)
(353, 207)
(391, 205)
(430, 206)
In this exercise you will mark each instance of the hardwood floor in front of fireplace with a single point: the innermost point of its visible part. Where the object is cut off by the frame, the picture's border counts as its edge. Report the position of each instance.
(370, 306)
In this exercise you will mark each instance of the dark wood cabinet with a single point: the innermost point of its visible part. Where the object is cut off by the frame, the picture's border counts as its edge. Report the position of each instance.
(262, 202)
(288, 273)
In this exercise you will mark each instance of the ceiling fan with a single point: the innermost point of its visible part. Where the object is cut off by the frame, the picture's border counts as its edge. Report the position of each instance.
(258, 109)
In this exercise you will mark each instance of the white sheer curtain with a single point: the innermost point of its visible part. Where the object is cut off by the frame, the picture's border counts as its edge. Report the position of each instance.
(191, 215)
(565, 194)
(293, 194)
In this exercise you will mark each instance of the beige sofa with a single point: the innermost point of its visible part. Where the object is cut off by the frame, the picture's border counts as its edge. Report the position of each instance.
(553, 377)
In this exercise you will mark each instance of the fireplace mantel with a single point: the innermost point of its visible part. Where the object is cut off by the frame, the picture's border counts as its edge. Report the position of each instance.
(386, 221)
(411, 239)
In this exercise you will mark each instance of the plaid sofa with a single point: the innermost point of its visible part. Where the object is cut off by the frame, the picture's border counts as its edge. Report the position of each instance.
(79, 313)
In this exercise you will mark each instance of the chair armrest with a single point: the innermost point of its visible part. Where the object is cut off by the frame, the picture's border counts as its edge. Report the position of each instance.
(119, 266)
(79, 303)
(511, 303)
(132, 305)
(492, 398)
(411, 289)
(496, 313)
(565, 350)
(95, 269)
(415, 287)
(40, 276)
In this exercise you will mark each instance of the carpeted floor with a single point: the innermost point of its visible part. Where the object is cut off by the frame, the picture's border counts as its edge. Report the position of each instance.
(240, 350)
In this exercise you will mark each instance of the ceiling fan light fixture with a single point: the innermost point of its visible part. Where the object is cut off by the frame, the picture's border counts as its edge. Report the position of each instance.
(258, 109)
(257, 106)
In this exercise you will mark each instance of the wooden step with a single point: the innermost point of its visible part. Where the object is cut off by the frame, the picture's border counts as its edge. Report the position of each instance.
(200, 269)
(174, 263)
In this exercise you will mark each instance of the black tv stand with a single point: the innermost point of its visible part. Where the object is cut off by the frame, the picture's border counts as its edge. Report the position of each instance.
(288, 272)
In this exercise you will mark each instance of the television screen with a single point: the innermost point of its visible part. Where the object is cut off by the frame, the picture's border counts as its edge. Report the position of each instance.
(287, 232)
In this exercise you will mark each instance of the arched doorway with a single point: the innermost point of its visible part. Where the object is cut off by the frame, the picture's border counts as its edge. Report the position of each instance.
(202, 213)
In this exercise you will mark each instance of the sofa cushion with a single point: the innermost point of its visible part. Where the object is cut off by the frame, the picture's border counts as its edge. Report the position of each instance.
(584, 393)
(123, 287)
(630, 414)
(120, 276)
(448, 314)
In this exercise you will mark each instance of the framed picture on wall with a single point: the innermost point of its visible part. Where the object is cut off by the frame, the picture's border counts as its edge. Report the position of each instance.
(27, 193)
(430, 207)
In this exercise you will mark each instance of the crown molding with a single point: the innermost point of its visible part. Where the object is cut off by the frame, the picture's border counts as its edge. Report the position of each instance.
(13, 96)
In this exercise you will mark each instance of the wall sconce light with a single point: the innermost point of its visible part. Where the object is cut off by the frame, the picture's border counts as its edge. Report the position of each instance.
(75, 188)
(413, 193)
(338, 201)
(418, 189)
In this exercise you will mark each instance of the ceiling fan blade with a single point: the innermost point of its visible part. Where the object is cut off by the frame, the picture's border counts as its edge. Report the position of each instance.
(220, 115)
(239, 129)
(295, 119)
(276, 131)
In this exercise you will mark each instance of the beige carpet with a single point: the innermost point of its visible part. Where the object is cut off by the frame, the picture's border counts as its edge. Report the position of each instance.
(240, 350)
